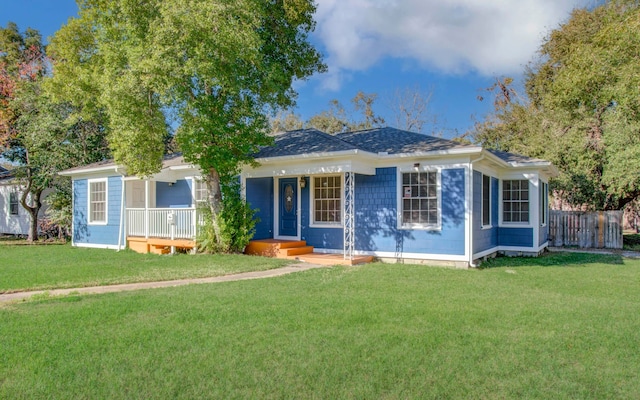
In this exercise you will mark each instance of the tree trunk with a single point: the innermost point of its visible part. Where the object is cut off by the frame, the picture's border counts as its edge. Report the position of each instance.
(33, 209)
(215, 203)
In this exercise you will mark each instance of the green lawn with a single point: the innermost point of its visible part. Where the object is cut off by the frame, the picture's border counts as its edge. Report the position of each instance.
(34, 267)
(561, 326)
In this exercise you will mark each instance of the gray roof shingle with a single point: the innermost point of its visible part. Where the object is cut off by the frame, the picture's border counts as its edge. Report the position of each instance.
(303, 141)
(397, 141)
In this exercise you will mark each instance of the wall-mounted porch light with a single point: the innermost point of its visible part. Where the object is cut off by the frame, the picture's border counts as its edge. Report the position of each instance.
(303, 182)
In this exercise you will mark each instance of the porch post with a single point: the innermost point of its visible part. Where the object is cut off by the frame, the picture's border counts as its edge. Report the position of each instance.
(349, 228)
(146, 208)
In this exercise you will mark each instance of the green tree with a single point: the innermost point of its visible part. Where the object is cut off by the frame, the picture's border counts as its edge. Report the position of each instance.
(582, 107)
(212, 68)
(34, 133)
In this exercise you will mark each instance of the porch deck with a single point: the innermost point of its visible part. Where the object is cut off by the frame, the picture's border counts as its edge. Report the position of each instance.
(158, 245)
(298, 250)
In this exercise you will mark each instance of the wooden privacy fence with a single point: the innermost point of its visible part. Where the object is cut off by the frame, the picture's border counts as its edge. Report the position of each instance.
(600, 229)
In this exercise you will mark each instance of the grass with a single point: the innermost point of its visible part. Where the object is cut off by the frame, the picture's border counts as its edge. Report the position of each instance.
(48, 267)
(560, 326)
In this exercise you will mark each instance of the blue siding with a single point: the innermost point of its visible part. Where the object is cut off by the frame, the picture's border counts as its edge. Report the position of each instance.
(177, 195)
(321, 238)
(376, 216)
(96, 234)
(484, 239)
(259, 193)
(521, 237)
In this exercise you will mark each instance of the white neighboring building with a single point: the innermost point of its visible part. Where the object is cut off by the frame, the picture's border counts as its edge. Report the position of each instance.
(14, 219)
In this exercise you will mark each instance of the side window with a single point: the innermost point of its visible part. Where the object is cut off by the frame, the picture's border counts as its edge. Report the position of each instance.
(420, 199)
(98, 201)
(327, 199)
(486, 200)
(515, 200)
(13, 203)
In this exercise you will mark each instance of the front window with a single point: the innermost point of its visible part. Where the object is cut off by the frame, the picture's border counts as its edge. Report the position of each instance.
(98, 202)
(327, 200)
(544, 202)
(486, 200)
(515, 200)
(13, 203)
(200, 190)
(420, 199)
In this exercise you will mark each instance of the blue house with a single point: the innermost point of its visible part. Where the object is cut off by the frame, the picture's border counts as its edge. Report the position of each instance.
(384, 193)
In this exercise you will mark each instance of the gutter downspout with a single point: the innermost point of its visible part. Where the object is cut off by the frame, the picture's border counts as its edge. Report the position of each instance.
(471, 261)
(122, 211)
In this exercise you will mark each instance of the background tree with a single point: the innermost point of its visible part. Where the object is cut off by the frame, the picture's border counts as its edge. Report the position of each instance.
(582, 107)
(216, 67)
(34, 132)
(410, 109)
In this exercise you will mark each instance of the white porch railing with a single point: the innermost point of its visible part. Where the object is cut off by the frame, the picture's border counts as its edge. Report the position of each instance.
(167, 223)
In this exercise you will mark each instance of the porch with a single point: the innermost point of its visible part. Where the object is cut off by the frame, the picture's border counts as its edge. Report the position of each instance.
(298, 250)
(161, 230)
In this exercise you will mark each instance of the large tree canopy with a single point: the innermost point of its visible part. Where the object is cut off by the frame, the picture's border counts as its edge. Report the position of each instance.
(582, 109)
(213, 69)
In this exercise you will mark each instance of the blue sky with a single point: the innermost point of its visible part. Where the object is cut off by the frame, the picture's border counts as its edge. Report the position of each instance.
(452, 48)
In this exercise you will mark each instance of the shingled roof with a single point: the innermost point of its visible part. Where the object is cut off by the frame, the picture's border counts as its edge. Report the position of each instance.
(303, 141)
(396, 141)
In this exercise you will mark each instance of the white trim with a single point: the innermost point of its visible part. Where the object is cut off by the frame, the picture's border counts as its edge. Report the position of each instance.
(399, 198)
(468, 214)
(106, 201)
(276, 211)
(87, 171)
(312, 215)
(97, 246)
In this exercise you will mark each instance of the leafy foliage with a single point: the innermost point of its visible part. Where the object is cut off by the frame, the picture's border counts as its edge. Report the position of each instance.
(237, 222)
(210, 68)
(582, 107)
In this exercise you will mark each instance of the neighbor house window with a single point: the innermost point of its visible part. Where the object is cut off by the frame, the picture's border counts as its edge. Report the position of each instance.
(13, 203)
(515, 200)
(98, 201)
(486, 200)
(420, 199)
(200, 190)
(544, 202)
(327, 199)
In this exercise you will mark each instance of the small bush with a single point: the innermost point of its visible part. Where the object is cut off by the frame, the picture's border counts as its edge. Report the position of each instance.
(237, 223)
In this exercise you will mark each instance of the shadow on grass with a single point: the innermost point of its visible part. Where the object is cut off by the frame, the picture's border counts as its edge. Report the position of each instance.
(553, 260)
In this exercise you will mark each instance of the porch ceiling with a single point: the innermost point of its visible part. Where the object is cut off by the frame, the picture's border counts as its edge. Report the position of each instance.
(310, 167)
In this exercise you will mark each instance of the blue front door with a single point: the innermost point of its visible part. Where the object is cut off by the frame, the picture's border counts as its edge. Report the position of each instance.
(288, 207)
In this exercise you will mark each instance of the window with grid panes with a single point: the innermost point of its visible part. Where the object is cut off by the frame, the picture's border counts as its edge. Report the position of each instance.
(420, 198)
(327, 199)
(515, 200)
(13, 203)
(98, 201)
(200, 190)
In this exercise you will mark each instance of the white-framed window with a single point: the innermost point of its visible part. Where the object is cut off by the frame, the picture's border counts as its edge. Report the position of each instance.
(200, 191)
(544, 202)
(420, 199)
(326, 203)
(98, 201)
(14, 206)
(515, 201)
(486, 201)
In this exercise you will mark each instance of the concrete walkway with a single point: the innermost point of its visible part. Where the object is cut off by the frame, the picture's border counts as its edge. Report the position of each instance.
(13, 297)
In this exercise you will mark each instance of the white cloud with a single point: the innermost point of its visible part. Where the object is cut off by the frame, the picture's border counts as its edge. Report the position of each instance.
(490, 37)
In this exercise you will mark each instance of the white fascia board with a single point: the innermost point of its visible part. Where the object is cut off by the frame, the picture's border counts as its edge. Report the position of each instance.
(298, 157)
(90, 171)
(317, 168)
(436, 153)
